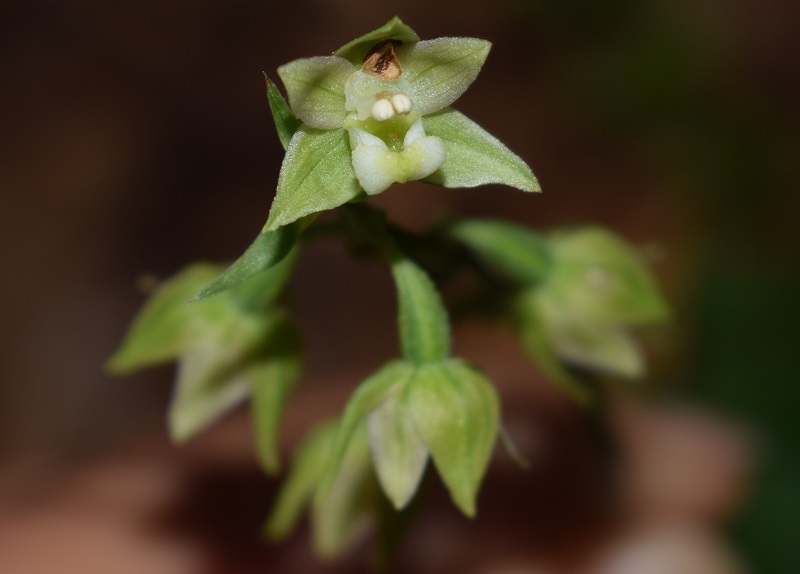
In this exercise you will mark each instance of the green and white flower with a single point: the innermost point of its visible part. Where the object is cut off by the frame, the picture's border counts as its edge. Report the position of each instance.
(236, 346)
(375, 113)
(580, 294)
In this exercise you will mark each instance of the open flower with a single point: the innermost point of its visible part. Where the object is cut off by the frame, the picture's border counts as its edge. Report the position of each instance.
(376, 112)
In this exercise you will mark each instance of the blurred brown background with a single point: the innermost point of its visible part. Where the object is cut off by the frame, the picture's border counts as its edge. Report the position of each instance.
(136, 137)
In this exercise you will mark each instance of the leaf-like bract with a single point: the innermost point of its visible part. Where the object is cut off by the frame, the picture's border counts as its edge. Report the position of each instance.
(424, 326)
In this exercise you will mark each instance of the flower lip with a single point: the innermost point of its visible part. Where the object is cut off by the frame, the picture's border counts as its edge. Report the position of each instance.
(377, 167)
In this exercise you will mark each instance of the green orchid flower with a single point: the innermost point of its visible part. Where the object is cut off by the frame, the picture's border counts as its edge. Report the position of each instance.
(375, 113)
(444, 410)
(597, 290)
(350, 510)
(236, 346)
(426, 405)
(581, 291)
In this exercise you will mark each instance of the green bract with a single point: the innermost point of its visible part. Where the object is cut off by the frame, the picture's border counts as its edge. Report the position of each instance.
(376, 113)
(269, 248)
(229, 347)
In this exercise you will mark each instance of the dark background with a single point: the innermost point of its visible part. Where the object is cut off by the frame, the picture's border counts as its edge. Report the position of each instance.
(136, 137)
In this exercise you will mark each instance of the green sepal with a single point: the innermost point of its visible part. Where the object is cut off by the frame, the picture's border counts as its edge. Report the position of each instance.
(316, 175)
(356, 50)
(268, 249)
(438, 71)
(520, 254)
(307, 467)
(398, 452)
(365, 399)
(272, 379)
(457, 412)
(339, 519)
(159, 332)
(422, 318)
(599, 277)
(315, 87)
(474, 156)
(285, 122)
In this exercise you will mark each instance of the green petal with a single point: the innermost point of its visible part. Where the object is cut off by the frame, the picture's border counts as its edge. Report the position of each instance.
(517, 252)
(315, 87)
(272, 380)
(285, 122)
(457, 412)
(423, 321)
(439, 71)
(356, 50)
(167, 325)
(601, 277)
(365, 399)
(398, 451)
(268, 249)
(316, 175)
(475, 157)
(308, 465)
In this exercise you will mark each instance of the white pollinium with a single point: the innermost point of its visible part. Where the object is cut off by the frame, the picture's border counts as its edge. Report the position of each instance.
(382, 110)
(401, 103)
(388, 106)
